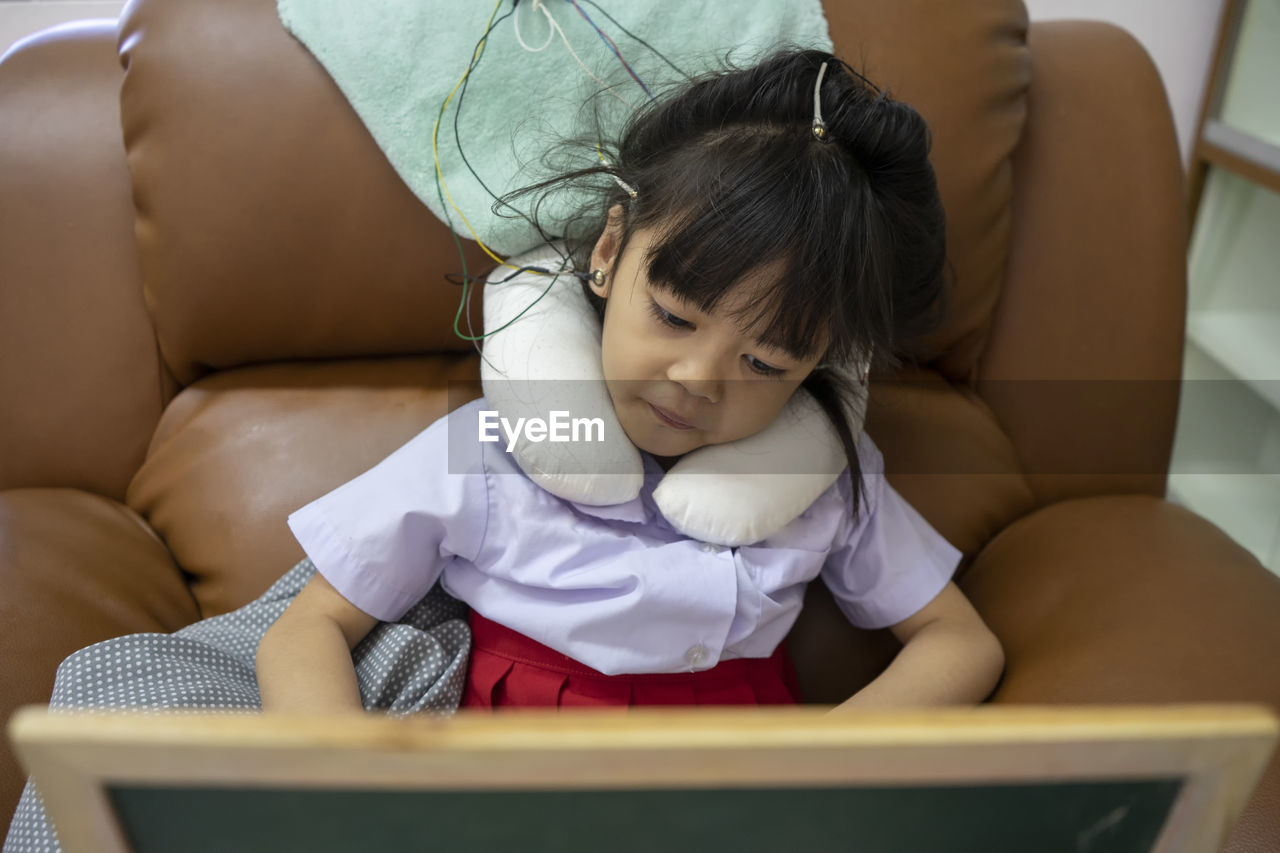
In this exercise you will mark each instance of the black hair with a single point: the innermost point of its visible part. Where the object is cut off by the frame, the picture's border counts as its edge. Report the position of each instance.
(729, 169)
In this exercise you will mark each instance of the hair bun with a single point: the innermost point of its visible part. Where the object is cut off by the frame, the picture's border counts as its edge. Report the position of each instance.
(884, 135)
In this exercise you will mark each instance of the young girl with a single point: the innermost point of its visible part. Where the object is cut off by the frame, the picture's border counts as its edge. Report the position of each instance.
(764, 227)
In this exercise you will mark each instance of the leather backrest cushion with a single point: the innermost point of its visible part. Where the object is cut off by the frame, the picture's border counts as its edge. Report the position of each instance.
(270, 226)
(945, 452)
(966, 68)
(237, 452)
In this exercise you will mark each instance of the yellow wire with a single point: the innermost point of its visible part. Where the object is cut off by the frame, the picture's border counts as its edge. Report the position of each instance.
(435, 145)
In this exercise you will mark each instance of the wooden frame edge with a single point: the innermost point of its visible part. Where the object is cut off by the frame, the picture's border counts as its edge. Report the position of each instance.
(1221, 751)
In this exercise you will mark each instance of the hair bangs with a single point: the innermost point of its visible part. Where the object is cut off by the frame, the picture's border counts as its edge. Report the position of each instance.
(730, 231)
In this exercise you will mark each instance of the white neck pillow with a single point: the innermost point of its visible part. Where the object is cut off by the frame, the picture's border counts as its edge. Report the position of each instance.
(549, 360)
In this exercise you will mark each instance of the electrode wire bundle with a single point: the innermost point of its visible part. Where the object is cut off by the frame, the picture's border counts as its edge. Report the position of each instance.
(460, 89)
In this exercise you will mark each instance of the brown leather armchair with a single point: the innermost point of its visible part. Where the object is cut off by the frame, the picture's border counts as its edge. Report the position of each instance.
(218, 301)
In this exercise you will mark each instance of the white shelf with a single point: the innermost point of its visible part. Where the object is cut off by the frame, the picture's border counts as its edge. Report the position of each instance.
(1226, 454)
(1226, 459)
(1246, 344)
(1249, 101)
(1245, 505)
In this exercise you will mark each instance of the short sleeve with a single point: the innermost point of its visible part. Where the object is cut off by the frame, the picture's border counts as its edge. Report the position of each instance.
(888, 563)
(383, 539)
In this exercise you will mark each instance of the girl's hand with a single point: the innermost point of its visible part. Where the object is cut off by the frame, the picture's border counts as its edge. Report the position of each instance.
(949, 657)
(304, 660)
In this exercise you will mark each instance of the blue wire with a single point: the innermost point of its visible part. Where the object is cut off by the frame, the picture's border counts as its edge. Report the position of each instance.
(613, 47)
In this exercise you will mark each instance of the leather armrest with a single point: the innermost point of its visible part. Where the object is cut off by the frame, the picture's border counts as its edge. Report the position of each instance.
(1133, 599)
(75, 569)
(80, 377)
(1084, 358)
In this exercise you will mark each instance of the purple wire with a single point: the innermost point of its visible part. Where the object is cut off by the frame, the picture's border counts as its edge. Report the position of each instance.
(612, 47)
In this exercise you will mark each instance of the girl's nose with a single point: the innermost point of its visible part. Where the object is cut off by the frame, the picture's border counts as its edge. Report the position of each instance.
(699, 376)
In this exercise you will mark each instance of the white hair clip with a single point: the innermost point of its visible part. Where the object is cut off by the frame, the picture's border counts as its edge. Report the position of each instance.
(630, 190)
(819, 126)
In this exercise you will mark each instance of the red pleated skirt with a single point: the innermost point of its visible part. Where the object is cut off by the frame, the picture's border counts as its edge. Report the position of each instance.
(507, 669)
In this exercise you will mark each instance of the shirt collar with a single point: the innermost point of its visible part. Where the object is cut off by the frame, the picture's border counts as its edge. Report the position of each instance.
(640, 508)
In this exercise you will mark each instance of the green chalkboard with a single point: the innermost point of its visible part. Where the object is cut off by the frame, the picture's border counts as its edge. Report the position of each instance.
(1102, 817)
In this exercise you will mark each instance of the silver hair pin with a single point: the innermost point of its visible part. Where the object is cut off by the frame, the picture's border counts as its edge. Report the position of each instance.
(626, 187)
(819, 126)
(630, 190)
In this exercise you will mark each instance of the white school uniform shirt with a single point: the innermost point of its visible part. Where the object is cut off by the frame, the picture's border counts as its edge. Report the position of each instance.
(614, 587)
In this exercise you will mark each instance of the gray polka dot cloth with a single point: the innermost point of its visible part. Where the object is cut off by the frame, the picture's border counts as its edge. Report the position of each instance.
(416, 664)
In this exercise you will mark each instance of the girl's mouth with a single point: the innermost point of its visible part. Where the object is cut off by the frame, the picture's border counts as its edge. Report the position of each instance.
(668, 418)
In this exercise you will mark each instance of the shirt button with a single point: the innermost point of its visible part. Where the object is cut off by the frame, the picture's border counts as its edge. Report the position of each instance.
(696, 656)
(710, 548)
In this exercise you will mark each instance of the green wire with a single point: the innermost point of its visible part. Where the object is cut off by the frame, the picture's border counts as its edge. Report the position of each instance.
(524, 311)
(462, 258)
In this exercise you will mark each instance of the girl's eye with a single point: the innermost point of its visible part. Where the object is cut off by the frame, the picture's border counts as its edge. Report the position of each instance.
(760, 367)
(667, 318)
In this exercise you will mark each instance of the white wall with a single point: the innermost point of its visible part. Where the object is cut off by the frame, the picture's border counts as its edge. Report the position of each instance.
(1179, 35)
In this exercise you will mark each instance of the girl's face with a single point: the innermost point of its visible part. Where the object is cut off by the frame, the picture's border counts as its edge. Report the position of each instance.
(681, 379)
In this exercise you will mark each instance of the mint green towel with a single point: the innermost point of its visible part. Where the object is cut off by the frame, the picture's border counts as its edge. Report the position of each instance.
(397, 60)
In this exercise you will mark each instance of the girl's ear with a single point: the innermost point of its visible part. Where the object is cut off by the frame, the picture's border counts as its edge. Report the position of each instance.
(605, 254)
